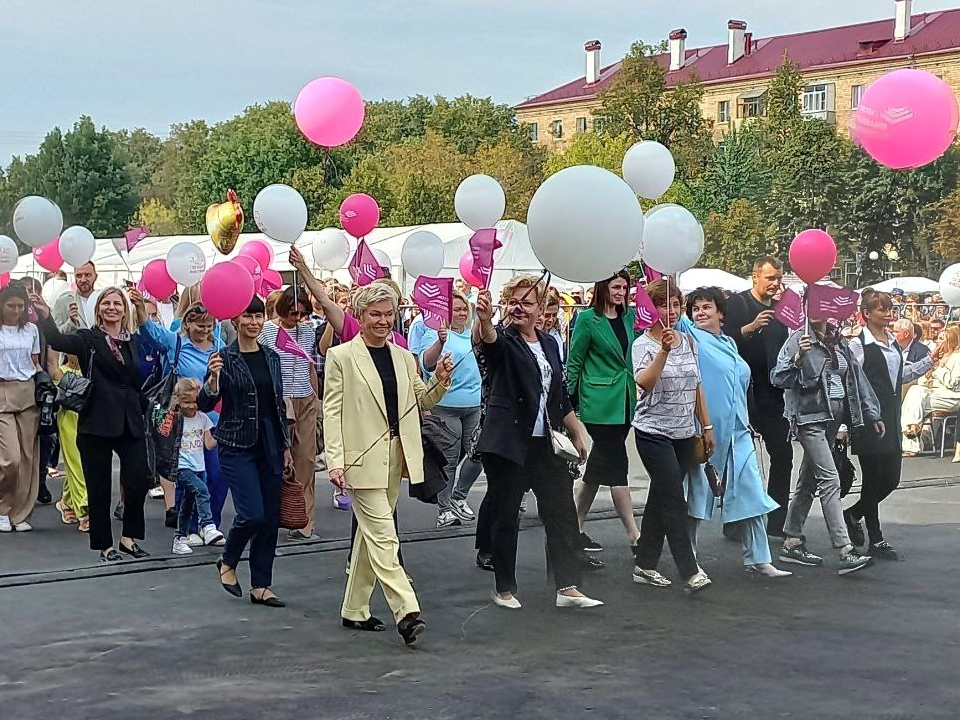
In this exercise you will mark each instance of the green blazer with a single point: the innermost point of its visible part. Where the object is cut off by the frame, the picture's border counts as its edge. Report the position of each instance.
(599, 371)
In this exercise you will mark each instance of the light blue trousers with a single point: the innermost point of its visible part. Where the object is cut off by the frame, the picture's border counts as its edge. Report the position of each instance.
(756, 547)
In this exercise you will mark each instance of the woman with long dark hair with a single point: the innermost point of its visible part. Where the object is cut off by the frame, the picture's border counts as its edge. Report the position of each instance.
(599, 375)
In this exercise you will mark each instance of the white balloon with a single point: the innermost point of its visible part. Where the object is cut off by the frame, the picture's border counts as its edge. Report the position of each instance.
(479, 202)
(672, 240)
(649, 168)
(280, 212)
(37, 221)
(52, 289)
(331, 249)
(9, 254)
(422, 254)
(950, 285)
(77, 245)
(584, 224)
(383, 259)
(186, 263)
(658, 208)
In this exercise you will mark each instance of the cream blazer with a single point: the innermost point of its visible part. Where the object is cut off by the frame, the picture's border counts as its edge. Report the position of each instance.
(355, 427)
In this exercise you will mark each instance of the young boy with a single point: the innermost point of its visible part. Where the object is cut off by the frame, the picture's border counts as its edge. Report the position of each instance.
(191, 473)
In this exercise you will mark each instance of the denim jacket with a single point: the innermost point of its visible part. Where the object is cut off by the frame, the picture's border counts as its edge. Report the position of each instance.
(805, 396)
(239, 424)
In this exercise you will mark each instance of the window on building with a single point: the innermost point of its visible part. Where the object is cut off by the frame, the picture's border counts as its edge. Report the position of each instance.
(599, 123)
(856, 95)
(815, 99)
(753, 105)
(534, 130)
(557, 128)
(723, 111)
(581, 124)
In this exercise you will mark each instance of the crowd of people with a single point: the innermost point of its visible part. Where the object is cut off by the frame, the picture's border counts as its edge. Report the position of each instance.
(521, 384)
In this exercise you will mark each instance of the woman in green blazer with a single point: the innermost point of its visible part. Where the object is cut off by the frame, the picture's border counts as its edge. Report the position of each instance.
(600, 376)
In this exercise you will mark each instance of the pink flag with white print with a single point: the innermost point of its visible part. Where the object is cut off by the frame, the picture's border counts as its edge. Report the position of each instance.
(789, 310)
(287, 344)
(364, 267)
(135, 235)
(647, 314)
(482, 245)
(828, 302)
(434, 297)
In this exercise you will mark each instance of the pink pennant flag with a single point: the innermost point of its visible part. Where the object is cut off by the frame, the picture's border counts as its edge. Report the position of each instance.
(434, 297)
(647, 314)
(287, 344)
(482, 245)
(826, 302)
(789, 310)
(364, 267)
(135, 235)
(650, 274)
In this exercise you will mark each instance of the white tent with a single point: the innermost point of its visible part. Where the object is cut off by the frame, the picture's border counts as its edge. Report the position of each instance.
(705, 277)
(908, 285)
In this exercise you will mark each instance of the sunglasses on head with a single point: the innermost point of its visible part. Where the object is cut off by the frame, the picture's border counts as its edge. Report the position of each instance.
(196, 311)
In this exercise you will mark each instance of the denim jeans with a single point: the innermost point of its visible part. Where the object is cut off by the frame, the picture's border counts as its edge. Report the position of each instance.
(195, 494)
(463, 422)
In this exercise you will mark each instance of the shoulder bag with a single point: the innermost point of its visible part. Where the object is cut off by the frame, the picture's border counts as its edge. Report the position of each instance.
(74, 389)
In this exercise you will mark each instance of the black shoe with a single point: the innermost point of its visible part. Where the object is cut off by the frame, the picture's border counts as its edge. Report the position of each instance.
(109, 556)
(170, 518)
(118, 511)
(883, 551)
(485, 562)
(411, 629)
(590, 545)
(44, 497)
(134, 551)
(593, 563)
(272, 601)
(854, 529)
(371, 624)
(233, 589)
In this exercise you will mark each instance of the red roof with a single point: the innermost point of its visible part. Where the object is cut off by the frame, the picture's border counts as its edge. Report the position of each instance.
(932, 32)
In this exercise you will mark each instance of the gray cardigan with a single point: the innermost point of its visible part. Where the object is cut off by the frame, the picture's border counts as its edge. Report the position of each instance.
(805, 395)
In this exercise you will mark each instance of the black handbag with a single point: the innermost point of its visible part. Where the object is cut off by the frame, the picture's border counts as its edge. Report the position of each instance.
(159, 393)
(163, 425)
(845, 468)
(45, 394)
(74, 389)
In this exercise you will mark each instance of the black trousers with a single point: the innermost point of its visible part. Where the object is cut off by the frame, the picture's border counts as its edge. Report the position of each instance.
(774, 429)
(665, 514)
(96, 457)
(881, 476)
(498, 526)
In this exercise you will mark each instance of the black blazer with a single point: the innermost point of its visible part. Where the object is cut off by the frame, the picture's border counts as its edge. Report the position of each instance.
(512, 398)
(116, 405)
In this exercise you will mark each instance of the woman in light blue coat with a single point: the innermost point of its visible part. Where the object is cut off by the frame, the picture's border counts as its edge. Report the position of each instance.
(725, 380)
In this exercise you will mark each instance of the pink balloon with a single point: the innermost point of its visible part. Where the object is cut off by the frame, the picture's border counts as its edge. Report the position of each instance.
(157, 281)
(329, 111)
(466, 270)
(813, 253)
(48, 257)
(906, 119)
(272, 280)
(259, 250)
(252, 266)
(359, 214)
(226, 290)
(4, 280)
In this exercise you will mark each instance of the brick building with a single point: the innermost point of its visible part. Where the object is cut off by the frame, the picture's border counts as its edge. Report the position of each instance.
(836, 63)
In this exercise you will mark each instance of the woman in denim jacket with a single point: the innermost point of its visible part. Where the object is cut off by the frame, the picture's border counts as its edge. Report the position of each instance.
(824, 387)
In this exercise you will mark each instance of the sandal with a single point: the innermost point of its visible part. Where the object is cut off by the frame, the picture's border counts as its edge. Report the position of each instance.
(67, 515)
(53, 472)
(83, 525)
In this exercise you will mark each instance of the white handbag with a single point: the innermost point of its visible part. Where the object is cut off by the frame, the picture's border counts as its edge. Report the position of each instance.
(563, 448)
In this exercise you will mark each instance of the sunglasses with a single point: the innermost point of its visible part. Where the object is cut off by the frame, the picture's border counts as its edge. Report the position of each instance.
(196, 311)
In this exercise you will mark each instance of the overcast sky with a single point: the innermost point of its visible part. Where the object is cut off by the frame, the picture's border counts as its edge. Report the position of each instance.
(150, 63)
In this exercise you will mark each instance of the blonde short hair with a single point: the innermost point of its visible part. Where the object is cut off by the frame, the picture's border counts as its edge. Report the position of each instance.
(128, 323)
(183, 386)
(524, 282)
(375, 292)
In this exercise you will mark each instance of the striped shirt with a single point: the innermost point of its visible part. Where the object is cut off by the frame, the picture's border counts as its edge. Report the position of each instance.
(836, 377)
(295, 371)
(668, 408)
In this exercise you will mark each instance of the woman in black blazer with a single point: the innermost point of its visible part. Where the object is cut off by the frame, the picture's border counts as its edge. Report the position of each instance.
(112, 420)
(525, 397)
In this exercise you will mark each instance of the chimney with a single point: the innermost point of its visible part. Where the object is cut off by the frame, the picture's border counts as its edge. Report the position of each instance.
(593, 61)
(901, 30)
(735, 40)
(748, 43)
(678, 49)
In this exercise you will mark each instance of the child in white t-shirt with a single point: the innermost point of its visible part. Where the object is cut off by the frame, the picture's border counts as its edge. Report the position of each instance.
(191, 472)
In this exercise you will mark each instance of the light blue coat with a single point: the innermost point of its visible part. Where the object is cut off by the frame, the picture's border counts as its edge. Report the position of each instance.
(726, 378)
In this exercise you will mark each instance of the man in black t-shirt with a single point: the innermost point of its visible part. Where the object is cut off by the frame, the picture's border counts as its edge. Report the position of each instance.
(759, 336)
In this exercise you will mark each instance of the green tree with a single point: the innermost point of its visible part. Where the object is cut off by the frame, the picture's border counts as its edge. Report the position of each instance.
(468, 122)
(601, 149)
(944, 227)
(736, 236)
(735, 170)
(177, 167)
(158, 217)
(139, 151)
(783, 96)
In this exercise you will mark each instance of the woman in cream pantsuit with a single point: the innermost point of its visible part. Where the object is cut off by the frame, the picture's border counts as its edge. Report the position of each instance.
(372, 433)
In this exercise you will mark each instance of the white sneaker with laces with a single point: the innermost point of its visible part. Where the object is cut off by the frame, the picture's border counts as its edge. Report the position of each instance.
(5, 525)
(23, 527)
(463, 511)
(180, 546)
(447, 519)
(194, 540)
(212, 536)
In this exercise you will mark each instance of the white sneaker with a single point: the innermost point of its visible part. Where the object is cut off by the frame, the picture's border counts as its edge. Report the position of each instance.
(5, 525)
(155, 493)
(463, 511)
(447, 519)
(181, 547)
(576, 601)
(23, 527)
(212, 536)
(194, 540)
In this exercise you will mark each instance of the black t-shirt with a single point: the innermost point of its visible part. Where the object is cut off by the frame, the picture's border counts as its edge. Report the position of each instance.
(262, 381)
(388, 378)
(759, 349)
(616, 324)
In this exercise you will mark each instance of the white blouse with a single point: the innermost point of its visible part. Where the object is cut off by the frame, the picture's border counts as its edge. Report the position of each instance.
(17, 345)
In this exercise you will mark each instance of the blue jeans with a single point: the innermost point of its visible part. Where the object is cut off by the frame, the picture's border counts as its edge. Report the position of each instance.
(193, 485)
(216, 484)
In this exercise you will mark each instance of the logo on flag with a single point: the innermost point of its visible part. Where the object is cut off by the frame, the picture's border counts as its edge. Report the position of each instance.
(482, 245)
(434, 297)
(287, 344)
(826, 302)
(364, 268)
(646, 313)
(135, 235)
(789, 310)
